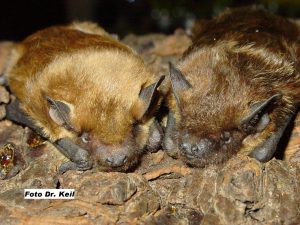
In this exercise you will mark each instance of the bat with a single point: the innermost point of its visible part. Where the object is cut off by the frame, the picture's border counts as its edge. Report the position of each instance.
(235, 89)
(89, 94)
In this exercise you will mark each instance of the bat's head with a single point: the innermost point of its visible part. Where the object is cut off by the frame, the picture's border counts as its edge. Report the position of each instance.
(113, 130)
(105, 105)
(211, 113)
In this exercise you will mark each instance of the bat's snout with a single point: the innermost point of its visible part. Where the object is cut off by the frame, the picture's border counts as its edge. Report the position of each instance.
(197, 149)
(116, 160)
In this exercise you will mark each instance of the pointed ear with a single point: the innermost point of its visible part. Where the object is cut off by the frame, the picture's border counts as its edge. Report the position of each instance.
(178, 81)
(146, 97)
(257, 118)
(60, 113)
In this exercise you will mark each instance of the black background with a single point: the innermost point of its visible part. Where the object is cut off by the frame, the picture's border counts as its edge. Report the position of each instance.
(20, 18)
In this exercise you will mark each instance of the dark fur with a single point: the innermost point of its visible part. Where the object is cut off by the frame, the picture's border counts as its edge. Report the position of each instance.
(240, 59)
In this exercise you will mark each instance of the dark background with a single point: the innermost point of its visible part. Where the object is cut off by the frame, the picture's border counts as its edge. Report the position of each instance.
(20, 18)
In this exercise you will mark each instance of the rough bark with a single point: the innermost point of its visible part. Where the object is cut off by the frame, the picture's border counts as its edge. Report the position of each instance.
(161, 190)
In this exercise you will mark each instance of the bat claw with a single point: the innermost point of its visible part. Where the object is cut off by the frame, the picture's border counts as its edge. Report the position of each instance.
(80, 158)
(84, 165)
(266, 150)
(64, 167)
(80, 166)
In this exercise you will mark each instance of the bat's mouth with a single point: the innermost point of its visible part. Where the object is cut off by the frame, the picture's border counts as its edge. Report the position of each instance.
(127, 165)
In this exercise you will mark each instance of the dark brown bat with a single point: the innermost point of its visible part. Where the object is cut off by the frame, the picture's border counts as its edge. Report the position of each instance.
(89, 94)
(235, 89)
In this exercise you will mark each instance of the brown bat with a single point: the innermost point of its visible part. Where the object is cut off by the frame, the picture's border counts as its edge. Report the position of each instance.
(235, 89)
(89, 94)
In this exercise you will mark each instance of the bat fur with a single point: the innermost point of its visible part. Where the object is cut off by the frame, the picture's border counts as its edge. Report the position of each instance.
(88, 93)
(235, 89)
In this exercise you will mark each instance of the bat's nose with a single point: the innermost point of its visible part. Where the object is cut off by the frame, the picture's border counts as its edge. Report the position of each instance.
(196, 149)
(116, 160)
(188, 148)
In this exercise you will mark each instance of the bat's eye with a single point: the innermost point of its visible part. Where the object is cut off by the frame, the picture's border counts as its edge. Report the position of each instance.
(226, 137)
(85, 138)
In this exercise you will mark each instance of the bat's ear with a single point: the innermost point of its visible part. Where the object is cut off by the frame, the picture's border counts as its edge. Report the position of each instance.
(59, 112)
(257, 118)
(178, 81)
(148, 99)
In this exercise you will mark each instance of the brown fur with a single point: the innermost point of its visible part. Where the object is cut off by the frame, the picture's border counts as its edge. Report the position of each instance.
(96, 76)
(241, 57)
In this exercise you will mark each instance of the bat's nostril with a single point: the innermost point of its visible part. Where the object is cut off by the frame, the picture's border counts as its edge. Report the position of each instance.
(194, 148)
(124, 159)
(109, 161)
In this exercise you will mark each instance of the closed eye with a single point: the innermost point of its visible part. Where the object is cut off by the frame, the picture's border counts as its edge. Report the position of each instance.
(85, 137)
(226, 136)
